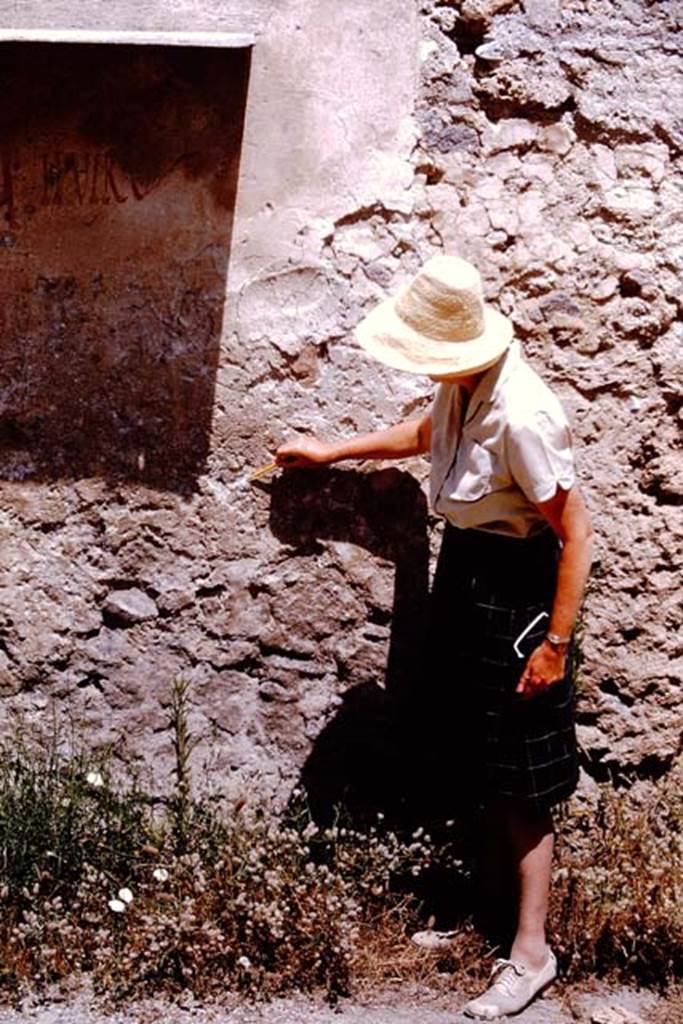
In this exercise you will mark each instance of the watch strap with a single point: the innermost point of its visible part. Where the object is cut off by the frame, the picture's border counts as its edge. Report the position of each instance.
(557, 641)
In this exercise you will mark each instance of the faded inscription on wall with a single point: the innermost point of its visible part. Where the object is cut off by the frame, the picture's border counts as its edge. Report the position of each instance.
(72, 178)
(89, 178)
(118, 174)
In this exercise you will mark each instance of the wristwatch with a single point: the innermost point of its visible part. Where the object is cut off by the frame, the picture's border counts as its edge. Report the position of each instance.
(557, 641)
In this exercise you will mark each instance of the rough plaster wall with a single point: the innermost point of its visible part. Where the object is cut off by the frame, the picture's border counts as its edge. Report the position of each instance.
(145, 15)
(556, 164)
(374, 137)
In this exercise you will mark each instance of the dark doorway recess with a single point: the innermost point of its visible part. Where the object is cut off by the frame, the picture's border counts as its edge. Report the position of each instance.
(118, 177)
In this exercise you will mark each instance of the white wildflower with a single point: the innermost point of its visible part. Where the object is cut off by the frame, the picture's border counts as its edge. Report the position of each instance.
(126, 895)
(94, 778)
(118, 906)
(310, 830)
(244, 961)
(160, 875)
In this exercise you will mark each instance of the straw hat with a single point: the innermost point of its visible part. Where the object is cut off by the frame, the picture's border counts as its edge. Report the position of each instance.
(438, 323)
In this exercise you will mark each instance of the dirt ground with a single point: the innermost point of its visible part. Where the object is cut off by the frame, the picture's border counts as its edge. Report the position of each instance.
(403, 1004)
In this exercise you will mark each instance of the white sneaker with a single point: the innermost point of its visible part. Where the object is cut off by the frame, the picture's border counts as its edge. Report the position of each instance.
(431, 939)
(512, 986)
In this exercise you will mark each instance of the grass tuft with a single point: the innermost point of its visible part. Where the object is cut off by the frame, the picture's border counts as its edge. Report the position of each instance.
(96, 877)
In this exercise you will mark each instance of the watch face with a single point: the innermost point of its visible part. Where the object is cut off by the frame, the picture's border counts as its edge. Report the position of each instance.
(557, 641)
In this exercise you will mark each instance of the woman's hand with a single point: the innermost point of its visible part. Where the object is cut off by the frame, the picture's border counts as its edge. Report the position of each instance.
(545, 666)
(409, 437)
(305, 453)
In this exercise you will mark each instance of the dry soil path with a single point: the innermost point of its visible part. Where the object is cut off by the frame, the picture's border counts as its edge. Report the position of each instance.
(401, 1005)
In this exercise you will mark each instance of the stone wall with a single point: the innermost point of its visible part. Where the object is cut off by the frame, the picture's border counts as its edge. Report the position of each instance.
(540, 140)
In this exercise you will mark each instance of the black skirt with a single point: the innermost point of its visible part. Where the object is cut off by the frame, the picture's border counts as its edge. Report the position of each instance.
(487, 590)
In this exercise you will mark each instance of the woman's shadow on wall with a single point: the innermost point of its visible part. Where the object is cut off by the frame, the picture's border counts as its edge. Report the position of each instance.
(380, 754)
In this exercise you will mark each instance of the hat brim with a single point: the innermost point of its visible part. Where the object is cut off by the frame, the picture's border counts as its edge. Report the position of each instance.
(386, 337)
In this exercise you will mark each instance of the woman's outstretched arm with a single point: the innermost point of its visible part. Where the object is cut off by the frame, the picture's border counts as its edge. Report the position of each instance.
(410, 437)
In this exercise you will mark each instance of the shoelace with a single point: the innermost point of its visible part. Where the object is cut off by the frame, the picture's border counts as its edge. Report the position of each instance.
(504, 975)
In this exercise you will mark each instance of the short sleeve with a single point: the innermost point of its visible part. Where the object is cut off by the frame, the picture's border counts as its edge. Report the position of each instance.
(540, 456)
(445, 429)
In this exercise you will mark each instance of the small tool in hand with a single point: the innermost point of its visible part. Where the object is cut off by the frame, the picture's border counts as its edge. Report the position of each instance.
(262, 470)
(270, 466)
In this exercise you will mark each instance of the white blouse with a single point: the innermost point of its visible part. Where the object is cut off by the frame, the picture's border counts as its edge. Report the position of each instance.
(513, 449)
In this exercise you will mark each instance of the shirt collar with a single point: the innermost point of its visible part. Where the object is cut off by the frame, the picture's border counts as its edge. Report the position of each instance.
(489, 387)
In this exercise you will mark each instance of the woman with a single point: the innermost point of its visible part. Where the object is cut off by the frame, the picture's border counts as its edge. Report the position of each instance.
(509, 579)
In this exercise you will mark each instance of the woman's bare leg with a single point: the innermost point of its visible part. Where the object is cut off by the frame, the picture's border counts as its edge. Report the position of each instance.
(530, 836)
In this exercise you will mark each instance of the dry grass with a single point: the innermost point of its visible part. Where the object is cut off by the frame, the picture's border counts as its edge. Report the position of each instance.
(617, 905)
(94, 879)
